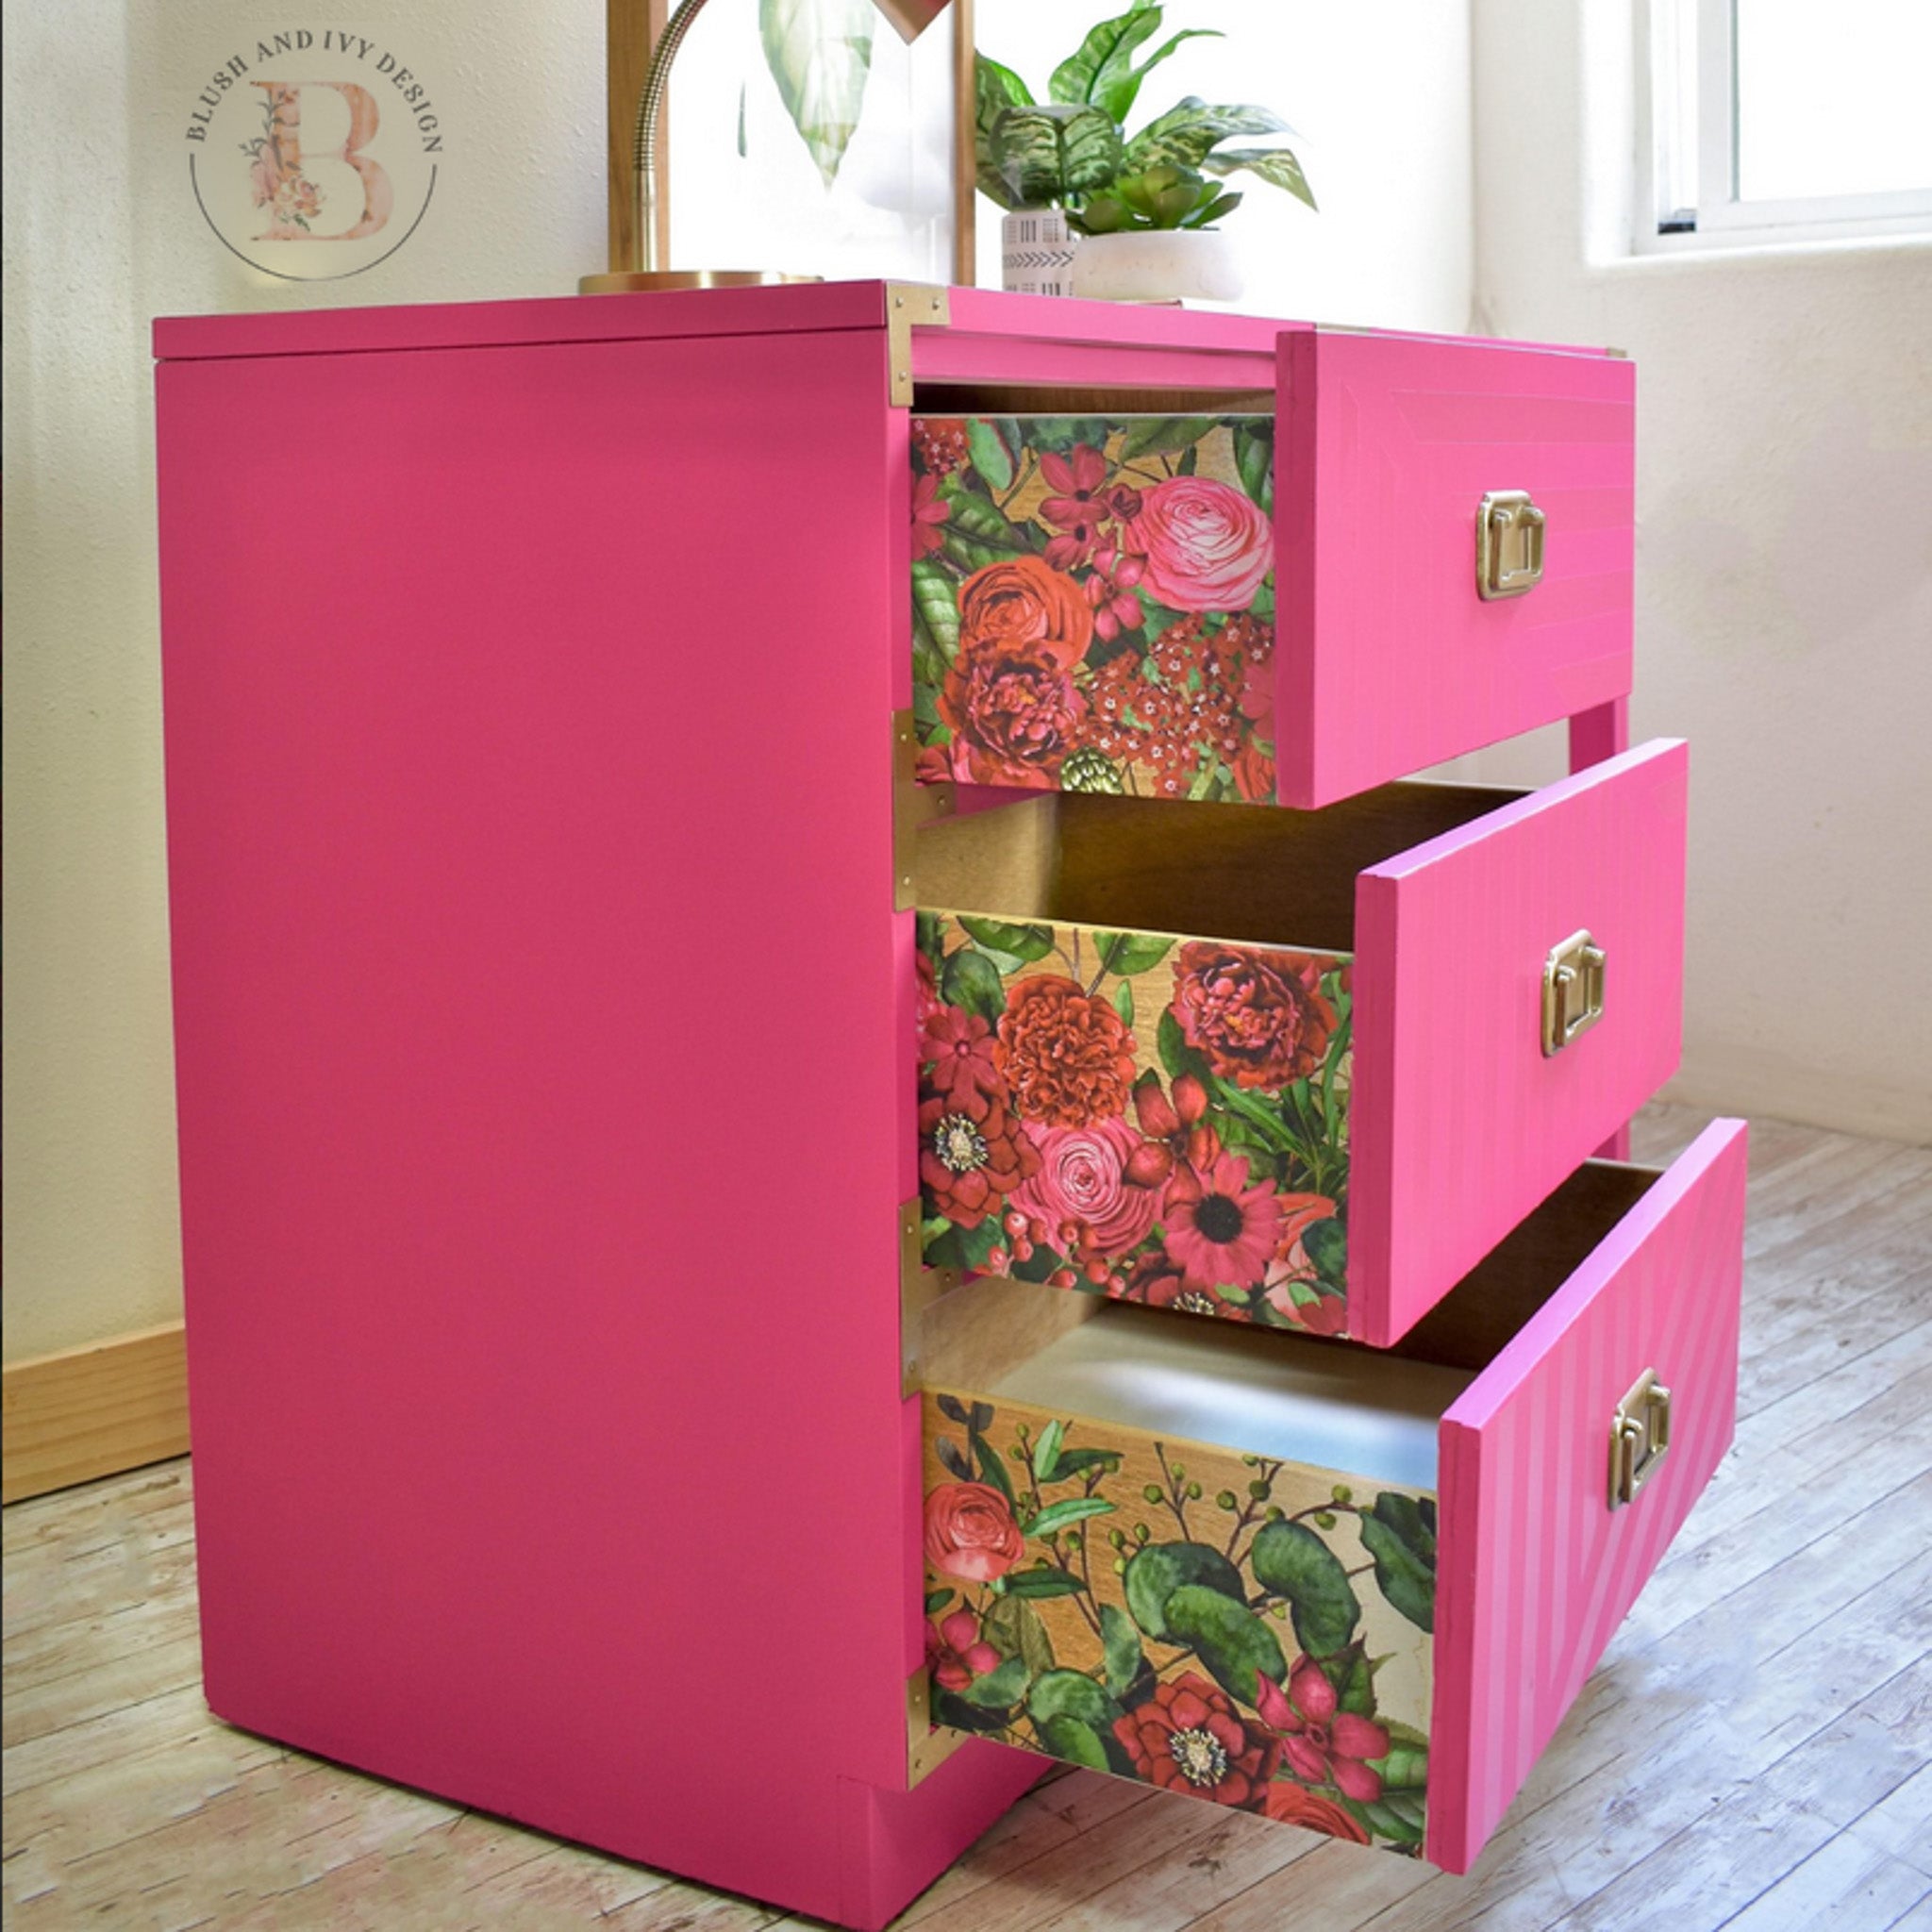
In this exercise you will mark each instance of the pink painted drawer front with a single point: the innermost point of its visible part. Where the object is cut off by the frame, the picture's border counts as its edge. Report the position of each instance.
(1287, 1071)
(1271, 604)
(1352, 1592)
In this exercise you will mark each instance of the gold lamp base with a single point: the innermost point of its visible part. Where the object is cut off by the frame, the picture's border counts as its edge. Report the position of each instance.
(635, 280)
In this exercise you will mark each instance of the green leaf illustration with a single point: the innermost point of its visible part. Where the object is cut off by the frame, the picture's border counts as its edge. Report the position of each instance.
(1254, 458)
(1046, 1452)
(1234, 1643)
(971, 513)
(1272, 165)
(1076, 1742)
(989, 454)
(1071, 1693)
(936, 602)
(1049, 151)
(972, 981)
(1065, 1514)
(950, 1707)
(1157, 436)
(1404, 1548)
(819, 53)
(1074, 1462)
(1124, 1001)
(1012, 1627)
(1403, 1770)
(1290, 1559)
(1131, 953)
(936, 1600)
(1399, 1817)
(1039, 1583)
(1183, 135)
(993, 1471)
(1176, 1055)
(1155, 1573)
(1000, 1689)
(1024, 943)
(1326, 1245)
(1121, 1644)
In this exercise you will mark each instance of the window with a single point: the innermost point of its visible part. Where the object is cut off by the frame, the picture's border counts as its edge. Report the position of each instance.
(1786, 119)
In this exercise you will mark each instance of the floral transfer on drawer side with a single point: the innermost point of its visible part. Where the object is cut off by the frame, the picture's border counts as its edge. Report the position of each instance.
(1093, 603)
(1228, 1626)
(1153, 1119)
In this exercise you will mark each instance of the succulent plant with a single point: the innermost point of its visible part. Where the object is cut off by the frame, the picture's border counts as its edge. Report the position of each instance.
(1162, 197)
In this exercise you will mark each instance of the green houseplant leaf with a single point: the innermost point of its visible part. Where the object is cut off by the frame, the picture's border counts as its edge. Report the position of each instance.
(1047, 154)
(1183, 137)
(1275, 164)
(819, 53)
(995, 88)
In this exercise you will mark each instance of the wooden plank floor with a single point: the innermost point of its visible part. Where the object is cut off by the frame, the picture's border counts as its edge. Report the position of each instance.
(1755, 1752)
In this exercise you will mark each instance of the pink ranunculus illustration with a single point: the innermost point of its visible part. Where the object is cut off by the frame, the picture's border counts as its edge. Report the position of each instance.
(1083, 1178)
(1207, 546)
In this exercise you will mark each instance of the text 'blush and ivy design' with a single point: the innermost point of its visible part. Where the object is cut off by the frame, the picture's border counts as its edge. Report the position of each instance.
(1155, 1119)
(1093, 603)
(1232, 1627)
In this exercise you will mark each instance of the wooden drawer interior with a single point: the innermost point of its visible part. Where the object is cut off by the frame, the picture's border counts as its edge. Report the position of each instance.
(1270, 878)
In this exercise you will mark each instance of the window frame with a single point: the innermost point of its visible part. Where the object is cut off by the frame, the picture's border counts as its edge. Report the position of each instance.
(1682, 207)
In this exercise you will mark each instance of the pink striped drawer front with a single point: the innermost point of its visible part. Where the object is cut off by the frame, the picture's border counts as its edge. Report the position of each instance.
(1461, 1121)
(1407, 1567)
(1149, 1035)
(1389, 659)
(1537, 1570)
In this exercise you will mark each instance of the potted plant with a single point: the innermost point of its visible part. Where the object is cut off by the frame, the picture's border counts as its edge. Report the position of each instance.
(1093, 211)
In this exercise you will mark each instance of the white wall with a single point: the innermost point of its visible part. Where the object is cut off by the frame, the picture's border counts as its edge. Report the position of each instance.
(1784, 614)
(1380, 99)
(101, 235)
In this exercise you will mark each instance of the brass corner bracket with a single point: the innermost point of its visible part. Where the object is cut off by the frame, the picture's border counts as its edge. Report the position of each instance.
(913, 805)
(910, 306)
(927, 1745)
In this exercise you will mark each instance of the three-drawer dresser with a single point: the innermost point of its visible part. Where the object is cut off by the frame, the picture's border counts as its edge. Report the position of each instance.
(847, 1122)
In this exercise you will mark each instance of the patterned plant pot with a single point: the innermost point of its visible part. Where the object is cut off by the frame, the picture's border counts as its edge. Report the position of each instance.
(1037, 251)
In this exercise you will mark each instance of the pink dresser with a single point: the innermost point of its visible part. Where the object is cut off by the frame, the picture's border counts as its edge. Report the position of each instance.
(844, 1119)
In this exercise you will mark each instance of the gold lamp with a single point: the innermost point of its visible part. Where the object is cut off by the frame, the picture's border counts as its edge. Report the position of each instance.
(909, 17)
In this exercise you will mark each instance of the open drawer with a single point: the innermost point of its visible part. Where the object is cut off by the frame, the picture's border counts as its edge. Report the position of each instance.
(1352, 1591)
(1299, 1070)
(1407, 548)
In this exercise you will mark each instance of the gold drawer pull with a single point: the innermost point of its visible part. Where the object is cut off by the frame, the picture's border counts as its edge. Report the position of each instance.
(1640, 1437)
(1508, 544)
(1573, 991)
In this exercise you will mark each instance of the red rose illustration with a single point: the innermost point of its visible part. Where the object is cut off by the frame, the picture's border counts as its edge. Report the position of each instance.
(1012, 709)
(1207, 547)
(1188, 1737)
(1292, 1804)
(1258, 1018)
(1067, 1055)
(970, 1532)
(1025, 601)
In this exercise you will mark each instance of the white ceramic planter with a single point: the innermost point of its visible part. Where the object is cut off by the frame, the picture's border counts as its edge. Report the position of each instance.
(1158, 265)
(1037, 251)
